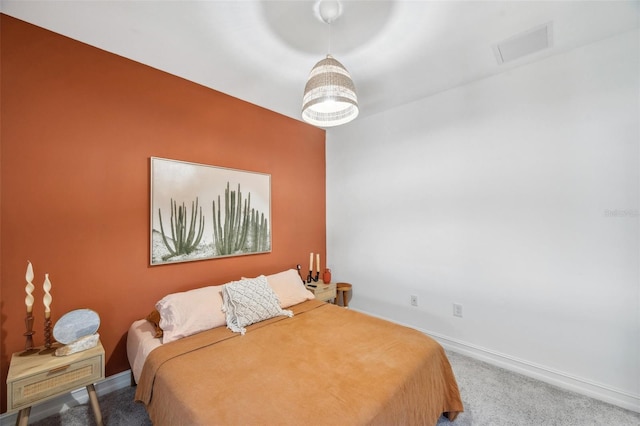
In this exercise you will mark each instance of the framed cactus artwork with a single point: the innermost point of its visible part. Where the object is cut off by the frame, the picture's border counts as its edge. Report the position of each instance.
(203, 212)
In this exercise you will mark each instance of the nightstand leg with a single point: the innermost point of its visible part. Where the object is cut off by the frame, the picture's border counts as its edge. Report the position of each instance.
(23, 417)
(95, 406)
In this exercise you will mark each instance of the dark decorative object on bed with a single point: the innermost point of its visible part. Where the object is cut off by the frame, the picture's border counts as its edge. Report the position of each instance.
(357, 369)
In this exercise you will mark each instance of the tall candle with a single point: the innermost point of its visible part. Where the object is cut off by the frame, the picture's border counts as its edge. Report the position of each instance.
(310, 261)
(47, 299)
(318, 262)
(29, 288)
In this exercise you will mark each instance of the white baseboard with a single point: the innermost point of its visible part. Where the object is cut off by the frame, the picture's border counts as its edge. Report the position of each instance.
(71, 399)
(539, 372)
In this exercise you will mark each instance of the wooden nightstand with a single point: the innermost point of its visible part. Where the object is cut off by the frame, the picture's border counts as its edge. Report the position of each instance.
(324, 292)
(37, 378)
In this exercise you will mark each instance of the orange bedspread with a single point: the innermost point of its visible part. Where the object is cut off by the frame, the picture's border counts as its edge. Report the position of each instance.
(325, 366)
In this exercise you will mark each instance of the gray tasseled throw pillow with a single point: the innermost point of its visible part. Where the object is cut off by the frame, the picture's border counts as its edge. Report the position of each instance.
(249, 301)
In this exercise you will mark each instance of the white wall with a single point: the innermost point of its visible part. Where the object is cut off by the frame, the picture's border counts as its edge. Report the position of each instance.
(516, 196)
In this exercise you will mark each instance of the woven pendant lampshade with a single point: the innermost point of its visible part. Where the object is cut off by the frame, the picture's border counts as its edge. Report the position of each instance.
(330, 96)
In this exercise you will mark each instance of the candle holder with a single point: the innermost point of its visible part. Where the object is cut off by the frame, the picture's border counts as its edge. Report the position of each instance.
(28, 346)
(310, 277)
(48, 348)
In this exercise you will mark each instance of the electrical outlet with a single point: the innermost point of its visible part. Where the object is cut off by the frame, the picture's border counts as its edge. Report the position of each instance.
(414, 300)
(457, 310)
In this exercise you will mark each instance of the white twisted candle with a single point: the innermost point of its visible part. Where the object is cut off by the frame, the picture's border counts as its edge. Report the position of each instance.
(47, 299)
(29, 288)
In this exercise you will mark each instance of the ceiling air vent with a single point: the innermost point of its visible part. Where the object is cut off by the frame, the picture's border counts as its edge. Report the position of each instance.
(524, 44)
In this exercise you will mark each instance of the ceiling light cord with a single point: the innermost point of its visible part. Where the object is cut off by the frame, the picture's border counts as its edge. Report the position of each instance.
(330, 34)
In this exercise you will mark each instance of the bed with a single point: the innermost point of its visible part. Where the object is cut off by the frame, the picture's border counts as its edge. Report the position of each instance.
(315, 364)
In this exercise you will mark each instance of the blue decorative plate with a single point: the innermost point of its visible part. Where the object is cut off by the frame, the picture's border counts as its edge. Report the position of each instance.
(75, 325)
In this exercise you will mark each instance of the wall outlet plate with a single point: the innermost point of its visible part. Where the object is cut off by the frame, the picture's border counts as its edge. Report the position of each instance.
(414, 300)
(457, 310)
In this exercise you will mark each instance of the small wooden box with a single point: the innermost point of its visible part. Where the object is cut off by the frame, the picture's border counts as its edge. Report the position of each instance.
(324, 292)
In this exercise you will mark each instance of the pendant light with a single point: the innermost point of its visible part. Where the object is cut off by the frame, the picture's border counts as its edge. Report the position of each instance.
(329, 96)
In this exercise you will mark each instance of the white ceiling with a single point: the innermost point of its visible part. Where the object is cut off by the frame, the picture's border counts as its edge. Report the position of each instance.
(262, 51)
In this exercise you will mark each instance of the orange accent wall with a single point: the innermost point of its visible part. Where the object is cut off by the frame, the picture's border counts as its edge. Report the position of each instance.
(79, 126)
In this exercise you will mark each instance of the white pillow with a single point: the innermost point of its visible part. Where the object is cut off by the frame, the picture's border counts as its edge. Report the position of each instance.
(190, 312)
(249, 301)
(289, 288)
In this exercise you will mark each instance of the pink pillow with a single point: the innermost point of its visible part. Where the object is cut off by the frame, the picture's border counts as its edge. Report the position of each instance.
(289, 288)
(190, 312)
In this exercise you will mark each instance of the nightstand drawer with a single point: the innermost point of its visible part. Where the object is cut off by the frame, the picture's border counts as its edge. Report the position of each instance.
(324, 292)
(64, 378)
